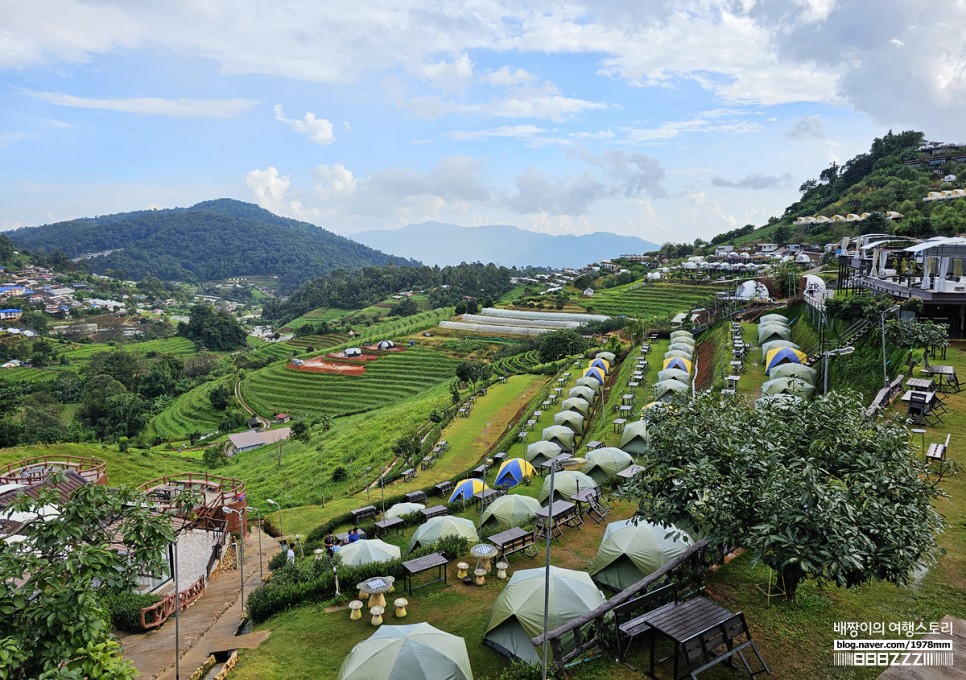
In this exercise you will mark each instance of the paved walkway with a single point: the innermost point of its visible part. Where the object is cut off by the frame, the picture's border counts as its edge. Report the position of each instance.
(207, 626)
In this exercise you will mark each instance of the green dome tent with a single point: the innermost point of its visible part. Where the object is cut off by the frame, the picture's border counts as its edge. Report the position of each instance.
(583, 392)
(436, 528)
(576, 404)
(517, 613)
(776, 344)
(540, 452)
(629, 552)
(588, 382)
(681, 334)
(767, 318)
(682, 347)
(674, 374)
(403, 509)
(683, 340)
(367, 551)
(679, 354)
(773, 331)
(604, 464)
(566, 484)
(669, 390)
(607, 356)
(793, 386)
(561, 436)
(415, 652)
(571, 419)
(806, 373)
(634, 437)
(512, 510)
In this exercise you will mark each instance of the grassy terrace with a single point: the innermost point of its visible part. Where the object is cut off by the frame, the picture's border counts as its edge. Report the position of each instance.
(649, 301)
(190, 412)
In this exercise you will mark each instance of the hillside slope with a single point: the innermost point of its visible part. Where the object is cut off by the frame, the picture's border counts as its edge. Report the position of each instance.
(211, 240)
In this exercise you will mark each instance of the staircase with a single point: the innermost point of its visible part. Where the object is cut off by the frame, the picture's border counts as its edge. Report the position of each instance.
(846, 338)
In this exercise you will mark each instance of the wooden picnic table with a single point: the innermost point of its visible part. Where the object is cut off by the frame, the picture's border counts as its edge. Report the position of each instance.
(627, 399)
(634, 384)
(499, 457)
(514, 540)
(443, 487)
(416, 496)
(558, 513)
(434, 511)
(409, 473)
(384, 525)
(908, 395)
(630, 471)
(366, 512)
(681, 623)
(945, 373)
(486, 496)
(421, 564)
(619, 424)
(427, 462)
(594, 444)
(921, 384)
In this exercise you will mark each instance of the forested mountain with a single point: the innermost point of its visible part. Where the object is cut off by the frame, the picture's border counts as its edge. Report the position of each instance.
(210, 240)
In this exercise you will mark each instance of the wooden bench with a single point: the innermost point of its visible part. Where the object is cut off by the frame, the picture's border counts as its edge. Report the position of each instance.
(443, 488)
(416, 496)
(367, 512)
(421, 564)
(435, 511)
(409, 474)
(723, 642)
(515, 540)
(389, 523)
(938, 451)
(630, 616)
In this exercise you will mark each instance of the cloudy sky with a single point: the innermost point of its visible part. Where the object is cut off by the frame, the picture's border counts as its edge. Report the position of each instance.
(666, 120)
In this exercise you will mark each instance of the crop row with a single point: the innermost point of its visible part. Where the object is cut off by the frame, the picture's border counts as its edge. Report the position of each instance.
(518, 363)
(27, 375)
(173, 345)
(390, 379)
(190, 412)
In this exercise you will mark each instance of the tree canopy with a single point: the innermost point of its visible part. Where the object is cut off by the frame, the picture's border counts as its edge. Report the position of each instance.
(213, 329)
(812, 489)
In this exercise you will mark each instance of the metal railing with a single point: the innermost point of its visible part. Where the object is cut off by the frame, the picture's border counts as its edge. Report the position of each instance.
(155, 615)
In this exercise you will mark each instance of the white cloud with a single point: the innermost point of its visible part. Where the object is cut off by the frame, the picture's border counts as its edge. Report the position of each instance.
(753, 181)
(807, 126)
(635, 174)
(728, 121)
(541, 192)
(319, 130)
(514, 131)
(450, 76)
(271, 192)
(335, 181)
(507, 76)
(153, 106)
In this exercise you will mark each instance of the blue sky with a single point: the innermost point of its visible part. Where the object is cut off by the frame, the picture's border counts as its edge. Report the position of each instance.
(665, 120)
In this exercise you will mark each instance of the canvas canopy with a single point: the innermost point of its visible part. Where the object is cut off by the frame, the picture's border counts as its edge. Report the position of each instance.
(776, 344)
(583, 392)
(793, 386)
(386, 344)
(601, 364)
(783, 355)
(679, 354)
(592, 383)
(774, 331)
(512, 510)
(681, 334)
(415, 652)
(466, 488)
(604, 464)
(594, 373)
(634, 437)
(674, 374)
(513, 471)
(607, 356)
(517, 613)
(542, 451)
(401, 509)
(566, 484)
(561, 436)
(806, 373)
(572, 419)
(582, 406)
(630, 551)
(367, 551)
(677, 362)
(436, 528)
(773, 317)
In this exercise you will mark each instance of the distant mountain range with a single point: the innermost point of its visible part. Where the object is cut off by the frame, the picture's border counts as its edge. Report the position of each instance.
(208, 241)
(436, 243)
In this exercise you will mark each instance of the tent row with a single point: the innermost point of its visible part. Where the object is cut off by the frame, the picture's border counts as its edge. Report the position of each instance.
(784, 360)
(674, 378)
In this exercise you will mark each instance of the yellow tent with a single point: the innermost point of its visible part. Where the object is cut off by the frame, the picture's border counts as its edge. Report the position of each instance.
(677, 362)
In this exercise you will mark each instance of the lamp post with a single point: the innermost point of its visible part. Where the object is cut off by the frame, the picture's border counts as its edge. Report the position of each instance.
(258, 518)
(546, 575)
(173, 556)
(382, 492)
(840, 352)
(271, 502)
(241, 560)
(366, 476)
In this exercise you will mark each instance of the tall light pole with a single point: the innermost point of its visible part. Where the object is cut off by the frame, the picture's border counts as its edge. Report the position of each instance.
(546, 575)
(840, 352)
(173, 555)
(258, 517)
(366, 476)
(241, 544)
(271, 502)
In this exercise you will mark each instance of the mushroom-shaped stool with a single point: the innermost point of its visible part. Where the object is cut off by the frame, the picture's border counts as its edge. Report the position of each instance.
(401, 603)
(480, 576)
(461, 568)
(377, 613)
(501, 568)
(355, 610)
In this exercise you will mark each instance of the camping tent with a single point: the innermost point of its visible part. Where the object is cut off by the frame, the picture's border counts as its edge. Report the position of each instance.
(368, 551)
(592, 383)
(783, 355)
(386, 344)
(634, 437)
(353, 352)
(677, 362)
(512, 471)
(512, 510)
(583, 392)
(774, 331)
(776, 344)
(415, 652)
(681, 346)
(793, 386)
(402, 509)
(674, 374)
(436, 528)
(594, 373)
(683, 339)
(799, 371)
(669, 390)
(566, 484)
(561, 436)
(679, 353)
(767, 318)
(604, 464)
(540, 452)
(517, 613)
(466, 488)
(681, 334)
(601, 364)
(572, 419)
(752, 290)
(630, 551)
(582, 406)
(607, 356)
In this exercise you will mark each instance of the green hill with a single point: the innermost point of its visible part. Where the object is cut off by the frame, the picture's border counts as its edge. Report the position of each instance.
(208, 241)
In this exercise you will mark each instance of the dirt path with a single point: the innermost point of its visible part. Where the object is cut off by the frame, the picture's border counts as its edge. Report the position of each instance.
(249, 409)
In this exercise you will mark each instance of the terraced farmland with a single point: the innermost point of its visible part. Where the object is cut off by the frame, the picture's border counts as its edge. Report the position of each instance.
(650, 301)
(516, 364)
(191, 412)
(392, 378)
(174, 345)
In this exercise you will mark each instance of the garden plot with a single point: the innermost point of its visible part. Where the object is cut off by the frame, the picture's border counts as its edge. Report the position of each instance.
(495, 321)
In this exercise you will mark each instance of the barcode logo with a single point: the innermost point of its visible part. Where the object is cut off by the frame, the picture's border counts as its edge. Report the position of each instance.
(893, 658)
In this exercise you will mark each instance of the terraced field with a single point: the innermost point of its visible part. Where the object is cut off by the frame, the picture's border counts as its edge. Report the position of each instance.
(392, 378)
(81, 354)
(649, 301)
(27, 375)
(516, 364)
(191, 412)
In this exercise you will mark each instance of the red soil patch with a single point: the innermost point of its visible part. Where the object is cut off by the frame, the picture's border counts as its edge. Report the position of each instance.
(361, 357)
(319, 366)
(373, 348)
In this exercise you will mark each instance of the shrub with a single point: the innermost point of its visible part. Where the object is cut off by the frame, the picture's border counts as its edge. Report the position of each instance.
(125, 609)
(340, 474)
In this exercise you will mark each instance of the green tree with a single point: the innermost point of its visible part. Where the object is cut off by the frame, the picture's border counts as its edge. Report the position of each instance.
(220, 397)
(300, 431)
(813, 490)
(558, 344)
(216, 330)
(924, 335)
(53, 621)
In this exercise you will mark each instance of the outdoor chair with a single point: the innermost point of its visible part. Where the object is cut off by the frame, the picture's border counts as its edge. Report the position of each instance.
(721, 643)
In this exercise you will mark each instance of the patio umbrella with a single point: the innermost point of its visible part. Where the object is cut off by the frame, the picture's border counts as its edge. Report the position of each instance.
(367, 551)
(512, 510)
(415, 652)
(465, 489)
(402, 509)
(674, 374)
(603, 464)
(542, 451)
(436, 528)
(630, 550)
(793, 386)
(677, 362)
(513, 471)
(566, 484)
(806, 373)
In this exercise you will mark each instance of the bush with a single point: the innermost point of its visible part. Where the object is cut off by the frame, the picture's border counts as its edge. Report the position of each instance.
(125, 609)
(340, 474)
